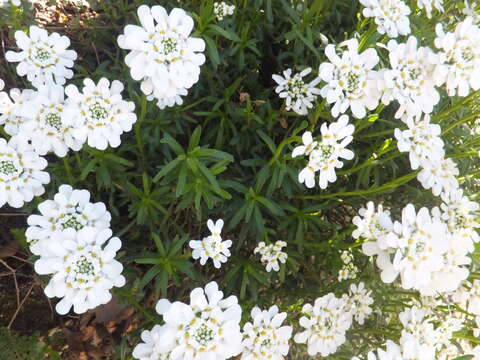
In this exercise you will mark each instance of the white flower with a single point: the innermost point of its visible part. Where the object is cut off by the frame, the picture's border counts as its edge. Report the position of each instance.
(392, 352)
(48, 127)
(207, 328)
(351, 80)
(266, 338)
(474, 298)
(272, 254)
(358, 302)
(21, 175)
(428, 5)
(154, 346)
(349, 270)
(162, 55)
(222, 9)
(325, 325)
(375, 226)
(308, 145)
(391, 16)
(422, 141)
(440, 176)
(459, 58)
(2, 84)
(42, 57)
(101, 115)
(299, 96)
(69, 209)
(83, 267)
(461, 216)
(11, 109)
(419, 338)
(422, 243)
(212, 246)
(324, 158)
(410, 79)
(469, 11)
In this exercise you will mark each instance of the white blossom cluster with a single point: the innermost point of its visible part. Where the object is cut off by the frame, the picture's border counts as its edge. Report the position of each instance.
(272, 254)
(326, 322)
(429, 250)
(212, 247)
(324, 155)
(73, 240)
(349, 270)
(163, 55)
(222, 9)
(299, 95)
(206, 328)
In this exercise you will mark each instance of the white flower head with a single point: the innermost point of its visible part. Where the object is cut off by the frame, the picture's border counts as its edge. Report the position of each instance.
(101, 115)
(351, 80)
(419, 338)
(265, 337)
(43, 58)
(69, 209)
(212, 247)
(222, 9)
(429, 5)
(391, 16)
(458, 61)
(409, 81)
(163, 55)
(47, 126)
(21, 173)
(12, 106)
(421, 140)
(207, 328)
(83, 268)
(324, 157)
(440, 176)
(325, 324)
(272, 254)
(422, 242)
(299, 96)
(358, 302)
(155, 345)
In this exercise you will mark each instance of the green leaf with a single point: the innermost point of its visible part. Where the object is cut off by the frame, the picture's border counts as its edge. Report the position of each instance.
(230, 35)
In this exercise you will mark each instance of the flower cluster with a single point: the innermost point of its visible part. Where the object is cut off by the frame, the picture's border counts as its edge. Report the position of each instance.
(325, 323)
(21, 173)
(428, 254)
(391, 16)
(163, 55)
(212, 247)
(207, 328)
(266, 338)
(73, 240)
(272, 254)
(358, 301)
(351, 82)
(324, 155)
(42, 57)
(459, 58)
(299, 96)
(349, 270)
(222, 9)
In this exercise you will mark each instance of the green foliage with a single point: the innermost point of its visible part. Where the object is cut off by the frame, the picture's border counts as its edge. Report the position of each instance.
(24, 348)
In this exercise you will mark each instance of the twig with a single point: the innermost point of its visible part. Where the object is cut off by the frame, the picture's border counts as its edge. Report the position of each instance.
(14, 280)
(20, 306)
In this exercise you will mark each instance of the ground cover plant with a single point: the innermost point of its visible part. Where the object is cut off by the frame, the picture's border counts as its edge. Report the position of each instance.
(252, 179)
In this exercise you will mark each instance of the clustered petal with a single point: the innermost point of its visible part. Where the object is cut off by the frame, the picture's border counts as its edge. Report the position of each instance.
(272, 254)
(324, 155)
(163, 55)
(212, 247)
(43, 58)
